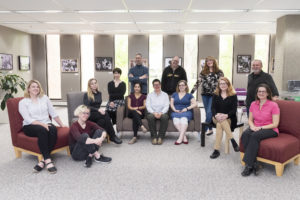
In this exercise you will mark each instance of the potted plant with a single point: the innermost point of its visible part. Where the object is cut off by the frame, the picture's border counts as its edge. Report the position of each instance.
(9, 83)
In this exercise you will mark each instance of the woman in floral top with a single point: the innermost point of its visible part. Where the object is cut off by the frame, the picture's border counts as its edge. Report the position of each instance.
(208, 78)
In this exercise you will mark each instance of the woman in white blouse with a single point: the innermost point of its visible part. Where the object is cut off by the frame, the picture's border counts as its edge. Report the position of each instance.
(35, 109)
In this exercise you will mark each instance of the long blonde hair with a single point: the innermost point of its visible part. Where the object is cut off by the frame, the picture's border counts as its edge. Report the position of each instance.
(26, 93)
(89, 90)
(205, 70)
(230, 90)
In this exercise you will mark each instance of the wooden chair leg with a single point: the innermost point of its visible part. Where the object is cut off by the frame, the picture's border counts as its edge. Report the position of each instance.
(107, 138)
(68, 151)
(227, 145)
(297, 160)
(40, 157)
(279, 169)
(18, 153)
(241, 131)
(242, 162)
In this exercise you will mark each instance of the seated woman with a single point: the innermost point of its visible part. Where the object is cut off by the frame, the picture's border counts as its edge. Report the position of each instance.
(116, 90)
(263, 123)
(85, 138)
(224, 105)
(136, 105)
(93, 99)
(182, 104)
(35, 109)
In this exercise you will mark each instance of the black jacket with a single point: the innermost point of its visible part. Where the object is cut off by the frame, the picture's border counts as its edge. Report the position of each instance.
(93, 105)
(170, 79)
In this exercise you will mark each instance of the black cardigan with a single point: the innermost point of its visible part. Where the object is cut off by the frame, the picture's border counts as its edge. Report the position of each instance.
(93, 105)
(225, 106)
(116, 93)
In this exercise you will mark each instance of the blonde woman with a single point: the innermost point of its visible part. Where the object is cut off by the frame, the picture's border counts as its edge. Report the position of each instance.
(35, 109)
(208, 77)
(86, 137)
(224, 105)
(93, 100)
(182, 103)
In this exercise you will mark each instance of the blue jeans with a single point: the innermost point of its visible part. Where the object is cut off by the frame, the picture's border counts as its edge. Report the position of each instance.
(207, 101)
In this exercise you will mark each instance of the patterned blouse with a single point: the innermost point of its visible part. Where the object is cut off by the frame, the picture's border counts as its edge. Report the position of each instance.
(209, 82)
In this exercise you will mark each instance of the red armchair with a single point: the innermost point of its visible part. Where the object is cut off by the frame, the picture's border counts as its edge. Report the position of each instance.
(23, 143)
(285, 148)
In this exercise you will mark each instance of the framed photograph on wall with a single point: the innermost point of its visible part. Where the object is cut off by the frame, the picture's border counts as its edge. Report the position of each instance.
(168, 61)
(24, 63)
(202, 63)
(69, 65)
(144, 60)
(243, 63)
(6, 61)
(104, 63)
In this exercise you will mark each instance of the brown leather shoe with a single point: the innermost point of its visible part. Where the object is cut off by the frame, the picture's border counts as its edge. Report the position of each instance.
(159, 141)
(154, 141)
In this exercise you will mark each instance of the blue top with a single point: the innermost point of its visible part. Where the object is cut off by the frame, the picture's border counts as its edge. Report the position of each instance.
(137, 71)
(180, 104)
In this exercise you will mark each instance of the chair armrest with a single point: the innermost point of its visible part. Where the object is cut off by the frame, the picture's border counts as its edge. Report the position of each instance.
(120, 117)
(197, 118)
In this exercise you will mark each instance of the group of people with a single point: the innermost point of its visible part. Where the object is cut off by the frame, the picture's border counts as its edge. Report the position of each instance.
(95, 123)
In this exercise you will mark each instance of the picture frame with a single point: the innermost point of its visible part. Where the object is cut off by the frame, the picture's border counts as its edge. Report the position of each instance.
(132, 62)
(69, 65)
(104, 63)
(243, 63)
(168, 61)
(6, 61)
(24, 63)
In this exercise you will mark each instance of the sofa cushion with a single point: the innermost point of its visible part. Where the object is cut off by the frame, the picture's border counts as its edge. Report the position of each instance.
(278, 149)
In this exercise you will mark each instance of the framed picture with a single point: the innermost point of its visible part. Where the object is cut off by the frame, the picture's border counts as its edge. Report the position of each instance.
(6, 61)
(24, 63)
(144, 60)
(69, 65)
(104, 63)
(202, 63)
(168, 61)
(243, 63)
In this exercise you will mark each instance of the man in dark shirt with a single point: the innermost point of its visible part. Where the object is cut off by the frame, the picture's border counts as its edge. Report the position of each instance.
(258, 77)
(139, 73)
(171, 76)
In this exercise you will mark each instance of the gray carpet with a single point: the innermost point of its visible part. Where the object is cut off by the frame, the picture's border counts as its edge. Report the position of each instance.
(143, 171)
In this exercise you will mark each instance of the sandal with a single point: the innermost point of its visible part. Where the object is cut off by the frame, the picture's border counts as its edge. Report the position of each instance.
(38, 168)
(53, 169)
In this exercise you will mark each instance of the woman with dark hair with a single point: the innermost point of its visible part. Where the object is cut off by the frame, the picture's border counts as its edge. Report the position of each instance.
(116, 90)
(136, 105)
(224, 105)
(35, 109)
(93, 100)
(263, 122)
(209, 77)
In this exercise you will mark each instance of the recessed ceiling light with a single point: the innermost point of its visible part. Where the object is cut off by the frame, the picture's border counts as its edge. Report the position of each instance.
(4, 11)
(205, 22)
(219, 11)
(111, 22)
(155, 22)
(101, 11)
(276, 10)
(22, 22)
(38, 11)
(155, 11)
(64, 22)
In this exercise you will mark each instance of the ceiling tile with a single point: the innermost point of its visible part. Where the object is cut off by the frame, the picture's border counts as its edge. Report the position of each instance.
(157, 4)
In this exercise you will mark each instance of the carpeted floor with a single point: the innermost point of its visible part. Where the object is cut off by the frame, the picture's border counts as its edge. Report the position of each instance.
(143, 171)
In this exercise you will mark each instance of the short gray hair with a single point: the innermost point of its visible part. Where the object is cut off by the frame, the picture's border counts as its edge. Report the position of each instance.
(80, 109)
(257, 60)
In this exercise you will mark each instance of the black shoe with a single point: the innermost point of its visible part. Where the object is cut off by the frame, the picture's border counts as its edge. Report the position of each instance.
(116, 140)
(88, 162)
(247, 171)
(103, 159)
(215, 154)
(256, 168)
(235, 145)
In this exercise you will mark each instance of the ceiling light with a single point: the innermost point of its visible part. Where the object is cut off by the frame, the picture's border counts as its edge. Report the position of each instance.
(219, 11)
(64, 22)
(101, 11)
(38, 11)
(155, 22)
(4, 11)
(22, 22)
(278, 10)
(155, 11)
(217, 22)
(111, 22)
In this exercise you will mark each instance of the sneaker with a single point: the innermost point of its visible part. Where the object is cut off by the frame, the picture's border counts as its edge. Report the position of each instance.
(88, 162)
(103, 159)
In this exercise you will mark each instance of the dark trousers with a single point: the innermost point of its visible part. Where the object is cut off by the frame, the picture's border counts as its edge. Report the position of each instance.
(103, 121)
(82, 150)
(46, 139)
(164, 121)
(113, 116)
(251, 141)
(136, 121)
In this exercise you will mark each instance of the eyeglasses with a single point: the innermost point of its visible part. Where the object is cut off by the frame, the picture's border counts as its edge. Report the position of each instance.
(223, 83)
(86, 113)
(181, 85)
(261, 91)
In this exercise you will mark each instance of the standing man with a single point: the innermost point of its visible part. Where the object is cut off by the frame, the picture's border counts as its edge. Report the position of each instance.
(172, 75)
(139, 73)
(157, 104)
(255, 78)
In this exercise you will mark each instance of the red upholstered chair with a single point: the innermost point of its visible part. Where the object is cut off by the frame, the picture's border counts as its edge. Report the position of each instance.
(286, 147)
(23, 143)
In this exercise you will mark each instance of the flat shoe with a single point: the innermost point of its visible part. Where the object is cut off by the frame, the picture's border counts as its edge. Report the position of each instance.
(53, 169)
(38, 168)
(177, 143)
